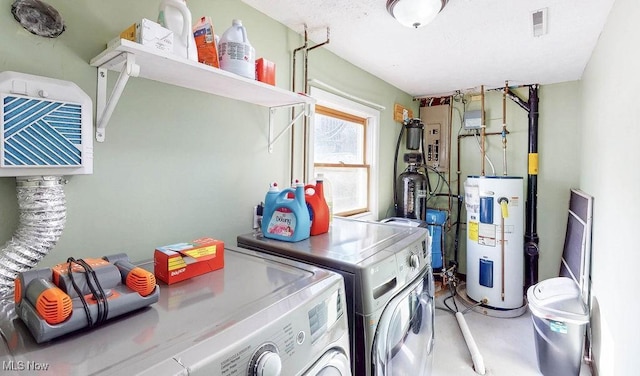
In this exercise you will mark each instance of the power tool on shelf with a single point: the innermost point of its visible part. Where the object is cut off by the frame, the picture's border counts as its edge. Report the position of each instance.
(81, 293)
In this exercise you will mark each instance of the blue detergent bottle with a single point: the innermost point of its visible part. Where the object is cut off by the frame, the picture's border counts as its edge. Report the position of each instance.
(286, 218)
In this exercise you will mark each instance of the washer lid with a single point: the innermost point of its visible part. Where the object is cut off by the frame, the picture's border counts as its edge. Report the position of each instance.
(558, 299)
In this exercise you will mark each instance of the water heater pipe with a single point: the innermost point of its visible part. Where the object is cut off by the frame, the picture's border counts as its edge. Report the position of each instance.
(42, 208)
(476, 357)
(483, 127)
(504, 128)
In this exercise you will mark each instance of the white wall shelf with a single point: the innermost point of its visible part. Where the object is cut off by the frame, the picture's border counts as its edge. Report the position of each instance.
(132, 59)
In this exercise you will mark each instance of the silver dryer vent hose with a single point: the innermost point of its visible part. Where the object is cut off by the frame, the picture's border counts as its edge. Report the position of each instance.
(42, 211)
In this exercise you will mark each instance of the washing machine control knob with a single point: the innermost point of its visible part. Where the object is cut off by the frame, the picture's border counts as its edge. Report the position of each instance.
(414, 261)
(266, 361)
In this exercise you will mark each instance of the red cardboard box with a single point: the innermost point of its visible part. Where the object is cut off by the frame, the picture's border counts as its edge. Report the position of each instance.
(177, 262)
(266, 71)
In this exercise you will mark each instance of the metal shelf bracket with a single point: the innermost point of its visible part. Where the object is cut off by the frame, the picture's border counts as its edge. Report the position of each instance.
(308, 110)
(104, 107)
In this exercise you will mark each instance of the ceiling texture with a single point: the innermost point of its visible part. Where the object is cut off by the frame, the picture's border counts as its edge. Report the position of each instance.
(469, 44)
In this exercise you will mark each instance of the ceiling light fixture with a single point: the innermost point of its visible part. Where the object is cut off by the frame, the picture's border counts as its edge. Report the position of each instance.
(415, 13)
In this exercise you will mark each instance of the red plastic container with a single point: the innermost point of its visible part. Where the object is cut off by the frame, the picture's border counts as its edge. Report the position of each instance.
(318, 208)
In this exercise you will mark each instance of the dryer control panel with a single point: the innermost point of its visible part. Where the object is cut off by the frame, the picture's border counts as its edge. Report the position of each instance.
(283, 342)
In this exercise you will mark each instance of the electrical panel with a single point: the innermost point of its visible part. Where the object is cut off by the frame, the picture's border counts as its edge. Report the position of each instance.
(437, 126)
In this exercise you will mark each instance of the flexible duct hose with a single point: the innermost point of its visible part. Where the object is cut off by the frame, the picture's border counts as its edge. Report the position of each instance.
(42, 210)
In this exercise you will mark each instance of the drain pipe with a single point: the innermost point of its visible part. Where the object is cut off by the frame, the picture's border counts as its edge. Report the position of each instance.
(476, 357)
(42, 208)
(531, 240)
(305, 77)
(293, 89)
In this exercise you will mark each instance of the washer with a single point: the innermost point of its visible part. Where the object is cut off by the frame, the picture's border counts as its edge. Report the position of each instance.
(389, 286)
(259, 315)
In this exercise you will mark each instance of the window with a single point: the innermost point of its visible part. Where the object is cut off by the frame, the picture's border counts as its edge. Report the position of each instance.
(343, 147)
(339, 153)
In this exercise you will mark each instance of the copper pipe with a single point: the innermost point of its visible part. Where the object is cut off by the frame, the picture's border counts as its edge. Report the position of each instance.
(504, 128)
(293, 89)
(305, 125)
(461, 136)
(482, 129)
(502, 249)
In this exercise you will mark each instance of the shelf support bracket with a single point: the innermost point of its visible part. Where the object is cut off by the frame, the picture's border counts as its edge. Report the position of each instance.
(104, 107)
(307, 110)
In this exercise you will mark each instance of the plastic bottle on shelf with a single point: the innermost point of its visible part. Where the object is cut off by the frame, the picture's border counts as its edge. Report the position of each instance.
(206, 43)
(175, 16)
(236, 53)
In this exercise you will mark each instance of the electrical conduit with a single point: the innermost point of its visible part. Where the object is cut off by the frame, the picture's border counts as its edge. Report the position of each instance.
(42, 211)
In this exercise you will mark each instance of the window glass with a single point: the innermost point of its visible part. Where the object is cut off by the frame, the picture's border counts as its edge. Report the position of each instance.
(340, 154)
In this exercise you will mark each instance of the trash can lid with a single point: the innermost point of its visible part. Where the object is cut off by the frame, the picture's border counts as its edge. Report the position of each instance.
(558, 299)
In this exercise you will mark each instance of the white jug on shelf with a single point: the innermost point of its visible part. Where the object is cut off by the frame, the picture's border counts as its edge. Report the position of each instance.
(175, 16)
(236, 53)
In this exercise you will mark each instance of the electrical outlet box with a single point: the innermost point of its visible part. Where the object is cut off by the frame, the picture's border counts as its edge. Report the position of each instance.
(257, 216)
(473, 119)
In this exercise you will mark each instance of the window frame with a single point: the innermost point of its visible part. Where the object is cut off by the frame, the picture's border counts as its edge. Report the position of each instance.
(371, 138)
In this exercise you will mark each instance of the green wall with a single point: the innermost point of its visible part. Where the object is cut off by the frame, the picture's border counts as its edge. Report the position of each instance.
(609, 156)
(176, 164)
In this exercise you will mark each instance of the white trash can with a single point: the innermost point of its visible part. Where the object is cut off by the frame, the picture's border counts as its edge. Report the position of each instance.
(559, 319)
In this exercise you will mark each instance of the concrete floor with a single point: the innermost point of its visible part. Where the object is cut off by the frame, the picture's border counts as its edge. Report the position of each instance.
(506, 344)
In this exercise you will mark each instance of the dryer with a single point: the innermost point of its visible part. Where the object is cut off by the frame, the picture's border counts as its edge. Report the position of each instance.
(259, 315)
(389, 289)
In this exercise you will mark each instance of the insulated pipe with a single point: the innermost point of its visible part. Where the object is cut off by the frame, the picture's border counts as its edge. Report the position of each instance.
(42, 207)
(476, 357)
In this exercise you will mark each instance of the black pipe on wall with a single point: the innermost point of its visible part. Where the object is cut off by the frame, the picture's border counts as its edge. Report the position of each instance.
(531, 239)
(531, 249)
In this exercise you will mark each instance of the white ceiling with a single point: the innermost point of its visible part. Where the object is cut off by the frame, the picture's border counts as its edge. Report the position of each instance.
(470, 43)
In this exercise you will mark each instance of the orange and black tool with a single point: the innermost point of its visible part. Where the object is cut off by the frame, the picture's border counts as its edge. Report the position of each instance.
(51, 303)
(134, 277)
(81, 294)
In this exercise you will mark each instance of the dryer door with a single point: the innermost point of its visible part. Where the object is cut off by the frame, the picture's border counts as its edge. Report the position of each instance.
(403, 342)
(332, 363)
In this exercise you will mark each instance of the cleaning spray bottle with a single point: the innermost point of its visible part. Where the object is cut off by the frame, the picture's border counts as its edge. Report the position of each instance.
(318, 208)
(175, 16)
(286, 218)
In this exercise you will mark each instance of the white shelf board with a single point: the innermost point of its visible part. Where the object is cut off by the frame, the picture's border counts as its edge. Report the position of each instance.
(168, 68)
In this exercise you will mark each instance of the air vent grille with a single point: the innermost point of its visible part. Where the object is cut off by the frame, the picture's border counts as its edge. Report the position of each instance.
(40, 132)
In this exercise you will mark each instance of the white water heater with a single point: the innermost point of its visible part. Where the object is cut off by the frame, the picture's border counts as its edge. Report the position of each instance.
(495, 255)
